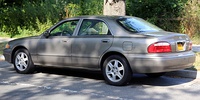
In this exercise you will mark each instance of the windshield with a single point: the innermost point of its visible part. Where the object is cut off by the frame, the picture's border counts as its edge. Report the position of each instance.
(136, 25)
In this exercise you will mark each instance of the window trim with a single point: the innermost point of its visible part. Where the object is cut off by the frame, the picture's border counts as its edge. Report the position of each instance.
(81, 22)
(61, 22)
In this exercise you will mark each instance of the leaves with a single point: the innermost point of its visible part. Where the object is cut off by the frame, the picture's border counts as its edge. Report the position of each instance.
(35, 16)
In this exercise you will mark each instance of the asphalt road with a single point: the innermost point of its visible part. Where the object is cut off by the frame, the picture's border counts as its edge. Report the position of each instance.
(69, 84)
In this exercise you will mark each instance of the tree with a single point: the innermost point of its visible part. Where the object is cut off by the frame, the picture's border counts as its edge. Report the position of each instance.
(114, 7)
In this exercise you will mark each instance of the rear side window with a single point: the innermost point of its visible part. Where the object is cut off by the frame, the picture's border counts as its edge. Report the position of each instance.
(136, 25)
(93, 27)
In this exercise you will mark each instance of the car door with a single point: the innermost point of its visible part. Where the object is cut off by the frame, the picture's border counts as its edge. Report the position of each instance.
(92, 40)
(55, 50)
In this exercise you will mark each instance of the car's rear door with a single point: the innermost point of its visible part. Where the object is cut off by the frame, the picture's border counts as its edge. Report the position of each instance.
(92, 40)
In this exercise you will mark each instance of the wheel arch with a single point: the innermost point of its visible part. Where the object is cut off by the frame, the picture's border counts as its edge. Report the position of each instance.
(14, 50)
(106, 55)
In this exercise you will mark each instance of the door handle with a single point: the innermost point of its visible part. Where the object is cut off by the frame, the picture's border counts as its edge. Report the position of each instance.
(105, 41)
(63, 40)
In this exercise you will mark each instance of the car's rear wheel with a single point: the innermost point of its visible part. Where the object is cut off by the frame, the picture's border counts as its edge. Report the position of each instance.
(155, 75)
(22, 62)
(116, 70)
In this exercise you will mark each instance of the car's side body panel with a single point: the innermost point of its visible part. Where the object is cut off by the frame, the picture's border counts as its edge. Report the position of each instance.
(86, 50)
(54, 51)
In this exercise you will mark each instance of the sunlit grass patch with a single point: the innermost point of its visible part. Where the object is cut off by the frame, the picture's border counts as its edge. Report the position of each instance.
(2, 46)
(197, 62)
(196, 40)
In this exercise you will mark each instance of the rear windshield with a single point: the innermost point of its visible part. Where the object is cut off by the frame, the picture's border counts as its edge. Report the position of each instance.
(136, 25)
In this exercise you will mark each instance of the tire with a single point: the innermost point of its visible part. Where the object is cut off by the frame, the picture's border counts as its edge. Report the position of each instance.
(22, 62)
(155, 75)
(116, 70)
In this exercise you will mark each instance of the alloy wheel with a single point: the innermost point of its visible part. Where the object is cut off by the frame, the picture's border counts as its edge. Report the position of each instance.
(115, 70)
(21, 61)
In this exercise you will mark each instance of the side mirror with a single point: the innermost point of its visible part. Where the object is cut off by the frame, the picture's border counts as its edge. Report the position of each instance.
(46, 34)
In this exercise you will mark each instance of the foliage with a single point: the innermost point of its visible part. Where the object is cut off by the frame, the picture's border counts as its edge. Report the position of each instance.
(191, 19)
(164, 13)
(32, 17)
(26, 15)
(181, 16)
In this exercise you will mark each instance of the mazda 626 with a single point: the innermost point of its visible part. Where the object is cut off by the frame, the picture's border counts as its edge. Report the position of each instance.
(118, 46)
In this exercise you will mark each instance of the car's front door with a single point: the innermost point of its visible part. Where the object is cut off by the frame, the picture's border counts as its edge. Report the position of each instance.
(92, 40)
(56, 49)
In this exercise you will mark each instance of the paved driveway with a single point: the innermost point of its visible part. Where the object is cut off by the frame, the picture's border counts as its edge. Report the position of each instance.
(68, 84)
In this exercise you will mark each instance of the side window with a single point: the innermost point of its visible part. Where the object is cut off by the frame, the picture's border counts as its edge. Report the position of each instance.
(93, 27)
(65, 29)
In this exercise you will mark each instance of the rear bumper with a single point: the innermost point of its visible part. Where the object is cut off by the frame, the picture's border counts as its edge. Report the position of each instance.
(153, 63)
(7, 55)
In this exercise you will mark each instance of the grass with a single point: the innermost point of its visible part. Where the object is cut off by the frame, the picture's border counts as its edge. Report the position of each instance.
(2, 46)
(24, 34)
(195, 40)
(197, 62)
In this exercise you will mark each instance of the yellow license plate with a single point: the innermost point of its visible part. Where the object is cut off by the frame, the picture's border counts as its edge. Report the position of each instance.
(180, 47)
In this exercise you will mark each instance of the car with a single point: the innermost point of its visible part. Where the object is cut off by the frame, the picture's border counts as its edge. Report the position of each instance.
(118, 46)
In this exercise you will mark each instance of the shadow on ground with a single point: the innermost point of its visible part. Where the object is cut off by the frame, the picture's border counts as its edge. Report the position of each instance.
(71, 72)
(137, 79)
(84, 83)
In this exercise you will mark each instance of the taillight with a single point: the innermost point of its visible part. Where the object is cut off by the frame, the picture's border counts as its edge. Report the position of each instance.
(159, 47)
(190, 46)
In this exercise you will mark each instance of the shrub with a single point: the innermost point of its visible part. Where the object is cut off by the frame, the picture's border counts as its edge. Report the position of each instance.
(190, 22)
(31, 17)
(25, 17)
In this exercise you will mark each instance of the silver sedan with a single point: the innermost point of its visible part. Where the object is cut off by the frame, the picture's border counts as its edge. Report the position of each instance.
(117, 45)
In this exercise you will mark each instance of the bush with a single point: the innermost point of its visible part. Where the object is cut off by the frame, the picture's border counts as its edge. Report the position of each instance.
(181, 16)
(31, 17)
(25, 17)
(163, 13)
(191, 18)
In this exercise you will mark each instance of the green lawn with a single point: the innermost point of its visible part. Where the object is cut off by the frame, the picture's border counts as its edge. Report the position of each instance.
(197, 62)
(195, 40)
(2, 46)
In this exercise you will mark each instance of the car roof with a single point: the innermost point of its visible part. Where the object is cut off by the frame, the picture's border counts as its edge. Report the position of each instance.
(102, 17)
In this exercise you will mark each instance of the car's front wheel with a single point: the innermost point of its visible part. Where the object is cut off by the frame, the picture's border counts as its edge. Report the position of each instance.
(116, 70)
(22, 62)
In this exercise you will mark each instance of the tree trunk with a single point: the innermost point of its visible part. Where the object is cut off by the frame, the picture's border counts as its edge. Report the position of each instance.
(114, 7)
